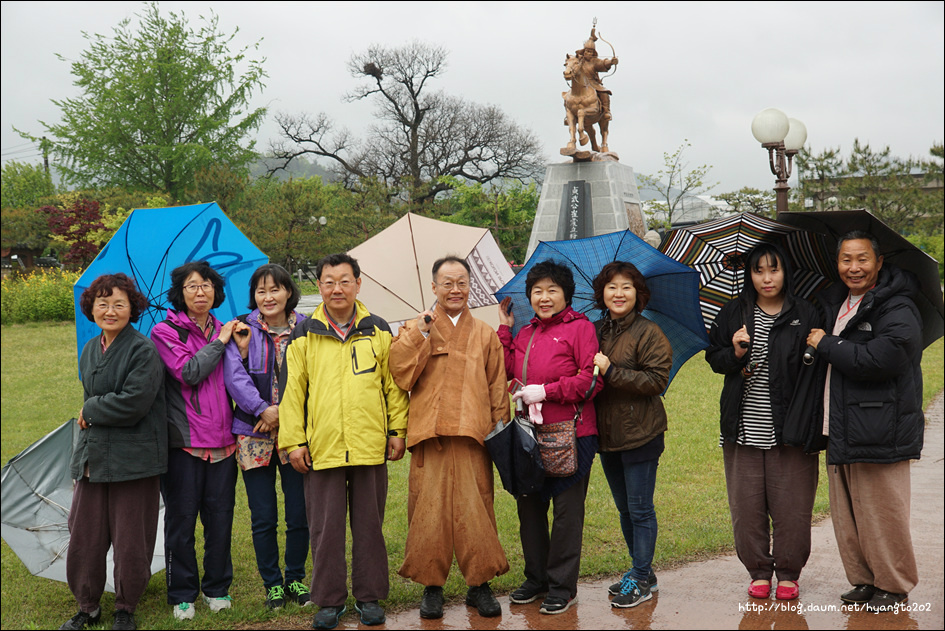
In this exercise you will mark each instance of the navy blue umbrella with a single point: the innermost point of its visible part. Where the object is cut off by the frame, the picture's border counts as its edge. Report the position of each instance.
(674, 304)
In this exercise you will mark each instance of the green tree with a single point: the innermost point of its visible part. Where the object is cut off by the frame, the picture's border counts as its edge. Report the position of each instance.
(675, 182)
(420, 135)
(23, 185)
(752, 200)
(817, 175)
(506, 208)
(157, 103)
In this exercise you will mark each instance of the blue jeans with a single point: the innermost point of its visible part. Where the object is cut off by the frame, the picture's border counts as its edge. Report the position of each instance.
(632, 486)
(264, 510)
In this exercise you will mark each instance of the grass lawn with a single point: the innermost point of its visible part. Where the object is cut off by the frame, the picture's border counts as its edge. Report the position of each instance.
(41, 391)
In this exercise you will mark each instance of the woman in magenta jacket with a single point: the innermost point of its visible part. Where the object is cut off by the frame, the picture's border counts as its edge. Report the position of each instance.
(558, 378)
(201, 469)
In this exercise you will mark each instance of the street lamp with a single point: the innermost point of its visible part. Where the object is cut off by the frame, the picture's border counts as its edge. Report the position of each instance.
(781, 136)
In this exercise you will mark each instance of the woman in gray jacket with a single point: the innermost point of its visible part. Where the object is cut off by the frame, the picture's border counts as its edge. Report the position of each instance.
(119, 456)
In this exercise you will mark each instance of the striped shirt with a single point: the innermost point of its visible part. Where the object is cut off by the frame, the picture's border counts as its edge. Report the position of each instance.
(757, 420)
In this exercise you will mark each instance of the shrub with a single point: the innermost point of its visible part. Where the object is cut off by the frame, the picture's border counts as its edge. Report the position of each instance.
(40, 296)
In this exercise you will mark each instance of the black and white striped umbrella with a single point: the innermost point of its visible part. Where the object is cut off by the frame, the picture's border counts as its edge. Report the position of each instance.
(717, 249)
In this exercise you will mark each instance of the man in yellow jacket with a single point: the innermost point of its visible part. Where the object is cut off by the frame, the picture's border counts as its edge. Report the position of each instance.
(454, 366)
(342, 417)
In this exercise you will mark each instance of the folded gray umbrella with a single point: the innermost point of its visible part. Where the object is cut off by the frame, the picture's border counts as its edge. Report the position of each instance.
(35, 498)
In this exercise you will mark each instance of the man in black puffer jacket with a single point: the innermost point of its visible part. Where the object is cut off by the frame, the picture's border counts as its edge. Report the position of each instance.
(873, 419)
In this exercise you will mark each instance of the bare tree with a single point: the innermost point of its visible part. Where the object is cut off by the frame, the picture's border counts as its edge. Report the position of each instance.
(420, 134)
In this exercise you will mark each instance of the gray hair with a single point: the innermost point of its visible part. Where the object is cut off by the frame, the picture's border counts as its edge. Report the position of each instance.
(855, 235)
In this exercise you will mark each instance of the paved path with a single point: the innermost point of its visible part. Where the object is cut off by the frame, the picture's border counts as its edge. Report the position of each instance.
(712, 594)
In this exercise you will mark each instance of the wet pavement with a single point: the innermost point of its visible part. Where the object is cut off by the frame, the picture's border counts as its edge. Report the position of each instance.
(713, 594)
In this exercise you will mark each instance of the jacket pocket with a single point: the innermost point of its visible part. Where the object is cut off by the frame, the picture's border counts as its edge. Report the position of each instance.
(871, 423)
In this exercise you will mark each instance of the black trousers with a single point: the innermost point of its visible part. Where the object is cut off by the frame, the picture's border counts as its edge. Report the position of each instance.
(554, 559)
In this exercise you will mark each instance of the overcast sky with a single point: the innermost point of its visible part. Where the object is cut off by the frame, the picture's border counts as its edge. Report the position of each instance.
(696, 71)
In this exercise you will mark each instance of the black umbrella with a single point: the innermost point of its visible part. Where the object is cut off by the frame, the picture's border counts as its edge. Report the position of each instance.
(894, 248)
(516, 455)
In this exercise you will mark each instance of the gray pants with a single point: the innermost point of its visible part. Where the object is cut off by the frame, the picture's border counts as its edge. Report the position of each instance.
(329, 495)
(771, 498)
(119, 514)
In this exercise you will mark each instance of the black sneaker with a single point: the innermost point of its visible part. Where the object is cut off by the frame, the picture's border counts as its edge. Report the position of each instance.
(431, 605)
(124, 621)
(275, 597)
(298, 592)
(859, 595)
(885, 601)
(631, 594)
(484, 601)
(81, 619)
(528, 592)
(554, 605)
(328, 617)
(614, 590)
(371, 613)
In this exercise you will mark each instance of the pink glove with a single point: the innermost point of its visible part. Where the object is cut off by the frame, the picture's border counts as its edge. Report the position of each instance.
(534, 414)
(534, 393)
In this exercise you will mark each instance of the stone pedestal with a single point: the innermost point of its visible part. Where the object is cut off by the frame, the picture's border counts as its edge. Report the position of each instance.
(603, 193)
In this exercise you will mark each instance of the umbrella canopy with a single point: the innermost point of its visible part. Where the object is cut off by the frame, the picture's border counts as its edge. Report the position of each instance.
(674, 288)
(833, 224)
(36, 499)
(717, 249)
(153, 241)
(396, 264)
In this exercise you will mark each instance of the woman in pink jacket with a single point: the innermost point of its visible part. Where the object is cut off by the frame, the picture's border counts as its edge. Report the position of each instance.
(560, 345)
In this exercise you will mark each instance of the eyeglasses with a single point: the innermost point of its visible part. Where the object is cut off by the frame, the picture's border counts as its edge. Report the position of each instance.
(104, 307)
(329, 285)
(449, 285)
(205, 288)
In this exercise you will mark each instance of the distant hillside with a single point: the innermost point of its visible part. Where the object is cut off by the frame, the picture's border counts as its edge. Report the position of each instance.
(301, 167)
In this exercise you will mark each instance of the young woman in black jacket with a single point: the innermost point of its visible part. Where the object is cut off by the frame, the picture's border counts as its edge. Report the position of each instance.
(758, 341)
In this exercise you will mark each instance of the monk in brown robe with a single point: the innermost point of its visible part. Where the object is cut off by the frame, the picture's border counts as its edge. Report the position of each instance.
(454, 367)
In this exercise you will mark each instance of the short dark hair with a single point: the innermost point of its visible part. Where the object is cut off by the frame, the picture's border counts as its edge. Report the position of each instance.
(753, 260)
(627, 269)
(450, 259)
(556, 272)
(279, 276)
(104, 286)
(340, 258)
(855, 235)
(176, 293)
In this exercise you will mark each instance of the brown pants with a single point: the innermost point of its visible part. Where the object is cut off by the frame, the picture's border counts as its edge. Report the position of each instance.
(869, 506)
(450, 509)
(119, 514)
(329, 495)
(771, 486)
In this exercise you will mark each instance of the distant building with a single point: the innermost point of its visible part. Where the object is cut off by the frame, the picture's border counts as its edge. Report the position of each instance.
(691, 210)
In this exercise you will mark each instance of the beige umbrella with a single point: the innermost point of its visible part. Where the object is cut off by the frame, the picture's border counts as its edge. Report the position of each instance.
(396, 267)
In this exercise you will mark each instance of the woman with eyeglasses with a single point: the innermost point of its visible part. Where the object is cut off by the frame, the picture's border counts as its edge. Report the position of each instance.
(119, 456)
(757, 341)
(201, 470)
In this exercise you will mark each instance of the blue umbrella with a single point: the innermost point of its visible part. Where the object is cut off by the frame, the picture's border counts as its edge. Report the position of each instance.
(153, 241)
(674, 304)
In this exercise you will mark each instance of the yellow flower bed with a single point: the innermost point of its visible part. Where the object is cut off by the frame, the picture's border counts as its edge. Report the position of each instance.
(42, 295)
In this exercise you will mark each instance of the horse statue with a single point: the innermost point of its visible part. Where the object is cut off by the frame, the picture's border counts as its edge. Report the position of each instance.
(582, 107)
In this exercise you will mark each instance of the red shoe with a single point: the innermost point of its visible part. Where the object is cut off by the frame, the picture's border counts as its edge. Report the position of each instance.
(787, 592)
(759, 589)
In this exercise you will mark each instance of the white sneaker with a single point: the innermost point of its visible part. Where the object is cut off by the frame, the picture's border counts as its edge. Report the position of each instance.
(184, 611)
(218, 604)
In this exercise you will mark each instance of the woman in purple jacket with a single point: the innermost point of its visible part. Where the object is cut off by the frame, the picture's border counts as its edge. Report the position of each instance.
(251, 369)
(559, 375)
(201, 470)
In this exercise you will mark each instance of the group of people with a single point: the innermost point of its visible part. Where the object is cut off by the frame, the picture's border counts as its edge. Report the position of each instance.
(326, 401)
